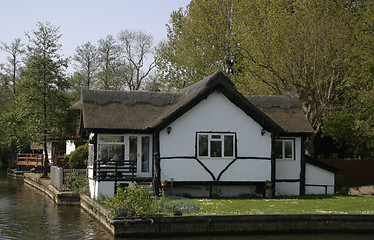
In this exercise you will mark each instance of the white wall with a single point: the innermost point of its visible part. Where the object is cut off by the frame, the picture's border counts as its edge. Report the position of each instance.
(217, 191)
(287, 188)
(103, 188)
(70, 146)
(289, 170)
(318, 176)
(215, 114)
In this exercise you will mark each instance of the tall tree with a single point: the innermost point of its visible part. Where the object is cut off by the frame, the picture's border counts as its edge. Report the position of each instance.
(135, 47)
(16, 50)
(110, 65)
(270, 47)
(10, 116)
(86, 64)
(42, 87)
(199, 42)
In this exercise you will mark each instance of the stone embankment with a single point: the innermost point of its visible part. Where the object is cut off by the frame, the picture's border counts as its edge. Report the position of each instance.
(205, 225)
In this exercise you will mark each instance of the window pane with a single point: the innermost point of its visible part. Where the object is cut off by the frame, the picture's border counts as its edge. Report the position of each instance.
(203, 145)
(288, 149)
(216, 136)
(133, 148)
(111, 138)
(229, 145)
(145, 154)
(278, 150)
(216, 149)
(111, 153)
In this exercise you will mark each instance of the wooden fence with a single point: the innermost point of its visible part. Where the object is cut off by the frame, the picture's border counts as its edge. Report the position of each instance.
(30, 160)
(354, 172)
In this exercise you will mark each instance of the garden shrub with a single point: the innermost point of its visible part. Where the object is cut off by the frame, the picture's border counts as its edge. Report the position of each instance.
(77, 183)
(80, 185)
(79, 157)
(136, 200)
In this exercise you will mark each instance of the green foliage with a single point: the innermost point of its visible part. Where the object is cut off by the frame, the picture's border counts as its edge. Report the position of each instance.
(79, 157)
(80, 185)
(41, 88)
(77, 183)
(136, 200)
(318, 49)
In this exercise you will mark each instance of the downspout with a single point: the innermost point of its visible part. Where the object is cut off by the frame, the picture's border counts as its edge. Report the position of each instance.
(273, 165)
(156, 162)
(302, 167)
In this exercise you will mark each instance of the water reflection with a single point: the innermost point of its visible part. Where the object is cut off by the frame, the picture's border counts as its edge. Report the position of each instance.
(26, 213)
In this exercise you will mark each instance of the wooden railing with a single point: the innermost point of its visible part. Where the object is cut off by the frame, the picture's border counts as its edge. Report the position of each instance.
(30, 159)
(34, 159)
(115, 170)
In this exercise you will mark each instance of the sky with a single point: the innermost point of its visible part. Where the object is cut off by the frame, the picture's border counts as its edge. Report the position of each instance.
(81, 21)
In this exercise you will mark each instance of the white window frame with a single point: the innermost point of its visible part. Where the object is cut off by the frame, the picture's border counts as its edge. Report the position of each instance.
(284, 140)
(126, 145)
(210, 139)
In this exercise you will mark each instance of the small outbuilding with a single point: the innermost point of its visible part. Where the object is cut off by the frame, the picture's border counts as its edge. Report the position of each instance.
(205, 140)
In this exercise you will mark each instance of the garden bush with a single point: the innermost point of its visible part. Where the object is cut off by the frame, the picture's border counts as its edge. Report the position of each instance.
(79, 157)
(136, 200)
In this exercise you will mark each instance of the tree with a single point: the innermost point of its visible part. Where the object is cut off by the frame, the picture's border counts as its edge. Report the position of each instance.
(357, 104)
(86, 64)
(109, 66)
(10, 118)
(15, 49)
(135, 47)
(200, 41)
(43, 82)
(271, 47)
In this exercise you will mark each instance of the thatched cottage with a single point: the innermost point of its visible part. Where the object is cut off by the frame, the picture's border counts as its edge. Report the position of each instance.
(206, 140)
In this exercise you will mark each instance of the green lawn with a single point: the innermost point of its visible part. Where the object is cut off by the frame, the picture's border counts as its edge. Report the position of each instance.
(297, 205)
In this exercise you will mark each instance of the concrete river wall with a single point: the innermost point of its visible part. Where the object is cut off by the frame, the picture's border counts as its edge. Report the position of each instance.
(204, 225)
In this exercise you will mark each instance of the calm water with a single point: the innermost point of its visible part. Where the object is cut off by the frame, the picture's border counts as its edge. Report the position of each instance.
(26, 213)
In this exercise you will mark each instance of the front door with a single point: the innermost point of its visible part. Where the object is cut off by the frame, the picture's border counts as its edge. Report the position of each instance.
(139, 149)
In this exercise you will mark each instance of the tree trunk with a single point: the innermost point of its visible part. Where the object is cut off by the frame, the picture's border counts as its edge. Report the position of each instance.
(46, 160)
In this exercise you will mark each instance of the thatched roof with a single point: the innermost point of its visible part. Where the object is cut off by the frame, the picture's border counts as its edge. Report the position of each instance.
(144, 110)
(285, 110)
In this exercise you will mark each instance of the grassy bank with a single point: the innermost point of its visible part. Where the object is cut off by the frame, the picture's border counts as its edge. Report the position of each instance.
(298, 205)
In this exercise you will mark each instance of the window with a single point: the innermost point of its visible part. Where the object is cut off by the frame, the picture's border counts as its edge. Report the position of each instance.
(111, 148)
(215, 145)
(284, 149)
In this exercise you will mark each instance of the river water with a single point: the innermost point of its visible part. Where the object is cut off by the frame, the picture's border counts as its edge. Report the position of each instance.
(26, 213)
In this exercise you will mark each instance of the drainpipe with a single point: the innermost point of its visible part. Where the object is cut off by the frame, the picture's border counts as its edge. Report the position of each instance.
(156, 161)
(273, 165)
(302, 167)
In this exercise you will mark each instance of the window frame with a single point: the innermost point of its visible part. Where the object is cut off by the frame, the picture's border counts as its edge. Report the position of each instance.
(100, 142)
(221, 140)
(284, 140)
